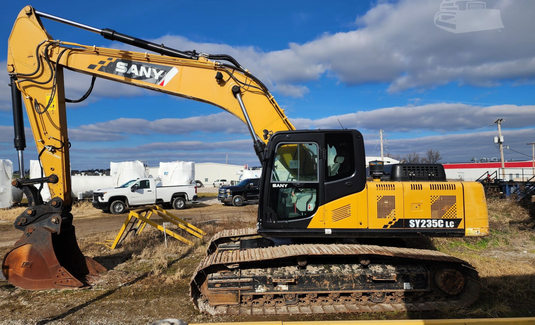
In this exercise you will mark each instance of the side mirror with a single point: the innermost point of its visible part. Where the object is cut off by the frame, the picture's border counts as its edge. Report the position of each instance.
(134, 188)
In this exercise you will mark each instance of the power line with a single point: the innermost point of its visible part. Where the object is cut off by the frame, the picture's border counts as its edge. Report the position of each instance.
(476, 139)
(457, 136)
(523, 154)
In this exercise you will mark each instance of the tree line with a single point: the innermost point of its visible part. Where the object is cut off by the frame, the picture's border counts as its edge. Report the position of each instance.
(430, 157)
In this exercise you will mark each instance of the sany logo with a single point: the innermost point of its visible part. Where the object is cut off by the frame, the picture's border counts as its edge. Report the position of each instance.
(147, 72)
(279, 185)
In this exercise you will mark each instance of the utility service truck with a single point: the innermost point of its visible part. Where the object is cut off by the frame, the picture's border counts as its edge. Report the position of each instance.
(143, 191)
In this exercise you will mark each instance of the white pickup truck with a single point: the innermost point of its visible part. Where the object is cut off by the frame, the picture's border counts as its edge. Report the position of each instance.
(143, 191)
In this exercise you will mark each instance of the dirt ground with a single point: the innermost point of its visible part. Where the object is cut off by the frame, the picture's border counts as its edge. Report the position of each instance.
(147, 281)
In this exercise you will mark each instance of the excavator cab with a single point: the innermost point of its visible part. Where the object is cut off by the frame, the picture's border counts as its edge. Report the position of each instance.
(306, 170)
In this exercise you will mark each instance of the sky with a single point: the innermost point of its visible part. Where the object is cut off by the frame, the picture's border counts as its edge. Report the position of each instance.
(367, 65)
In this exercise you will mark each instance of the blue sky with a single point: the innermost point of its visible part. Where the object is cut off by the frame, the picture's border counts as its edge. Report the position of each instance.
(367, 65)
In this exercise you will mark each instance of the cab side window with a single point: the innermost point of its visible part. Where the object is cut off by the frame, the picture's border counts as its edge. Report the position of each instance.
(144, 184)
(340, 158)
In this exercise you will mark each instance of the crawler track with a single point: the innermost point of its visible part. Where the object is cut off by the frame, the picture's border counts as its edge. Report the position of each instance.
(328, 278)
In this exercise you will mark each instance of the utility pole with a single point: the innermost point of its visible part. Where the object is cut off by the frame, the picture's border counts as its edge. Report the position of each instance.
(532, 144)
(499, 140)
(381, 136)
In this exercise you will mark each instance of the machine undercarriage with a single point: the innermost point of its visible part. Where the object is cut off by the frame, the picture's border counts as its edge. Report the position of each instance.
(327, 278)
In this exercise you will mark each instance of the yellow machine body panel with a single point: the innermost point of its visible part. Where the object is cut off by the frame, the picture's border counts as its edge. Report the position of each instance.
(348, 212)
(477, 221)
(418, 207)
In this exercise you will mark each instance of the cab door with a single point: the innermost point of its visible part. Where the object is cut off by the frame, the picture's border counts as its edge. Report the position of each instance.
(252, 190)
(345, 169)
(292, 182)
(142, 193)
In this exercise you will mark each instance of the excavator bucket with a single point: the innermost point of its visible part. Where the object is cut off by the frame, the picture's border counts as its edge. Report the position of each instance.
(44, 260)
(47, 256)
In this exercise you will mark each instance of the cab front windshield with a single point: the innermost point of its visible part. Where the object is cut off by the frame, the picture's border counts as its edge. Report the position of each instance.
(127, 184)
(294, 181)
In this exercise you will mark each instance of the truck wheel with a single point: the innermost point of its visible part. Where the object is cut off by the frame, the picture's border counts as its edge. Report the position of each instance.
(237, 201)
(117, 207)
(179, 203)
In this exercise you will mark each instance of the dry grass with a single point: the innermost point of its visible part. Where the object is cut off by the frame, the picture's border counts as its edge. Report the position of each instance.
(505, 261)
(80, 209)
(506, 215)
(10, 214)
(147, 280)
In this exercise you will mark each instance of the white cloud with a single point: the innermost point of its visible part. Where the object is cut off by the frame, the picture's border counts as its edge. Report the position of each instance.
(460, 147)
(214, 123)
(394, 42)
(94, 136)
(7, 134)
(440, 117)
(295, 91)
(236, 151)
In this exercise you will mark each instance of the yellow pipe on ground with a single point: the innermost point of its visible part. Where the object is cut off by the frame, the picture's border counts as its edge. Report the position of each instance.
(494, 321)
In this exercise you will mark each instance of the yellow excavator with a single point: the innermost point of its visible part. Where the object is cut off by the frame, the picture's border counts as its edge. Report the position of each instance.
(325, 237)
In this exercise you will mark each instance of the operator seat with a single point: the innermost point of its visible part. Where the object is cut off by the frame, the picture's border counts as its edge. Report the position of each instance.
(338, 160)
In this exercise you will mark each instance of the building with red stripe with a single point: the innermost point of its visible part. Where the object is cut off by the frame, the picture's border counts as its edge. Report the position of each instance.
(514, 170)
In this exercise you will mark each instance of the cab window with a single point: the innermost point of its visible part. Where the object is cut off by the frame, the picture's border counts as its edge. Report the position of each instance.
(340, 158)
(294, 181)
(143, 184)
(296, 162)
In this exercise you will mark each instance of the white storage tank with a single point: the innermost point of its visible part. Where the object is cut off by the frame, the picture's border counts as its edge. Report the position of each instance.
(84, 185)
(251, 173)
(16, 194)
(176, 173)
(81, 185)
(125, 171)
(6, 174)
(35, 172)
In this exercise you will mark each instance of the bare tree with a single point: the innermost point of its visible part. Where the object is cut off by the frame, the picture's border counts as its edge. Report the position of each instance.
(396, 157)
(432, 157)
(412, 158)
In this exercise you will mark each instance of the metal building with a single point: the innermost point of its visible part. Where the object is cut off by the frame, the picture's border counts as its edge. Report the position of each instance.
(207, 173)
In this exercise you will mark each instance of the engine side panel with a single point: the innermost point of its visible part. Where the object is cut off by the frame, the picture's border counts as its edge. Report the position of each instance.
(439, 208)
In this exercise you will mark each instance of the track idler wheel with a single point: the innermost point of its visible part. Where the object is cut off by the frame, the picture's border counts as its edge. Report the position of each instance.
(450, 281)
(42, 259)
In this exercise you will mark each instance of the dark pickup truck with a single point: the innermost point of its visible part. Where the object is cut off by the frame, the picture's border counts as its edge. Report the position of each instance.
(238, 194)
